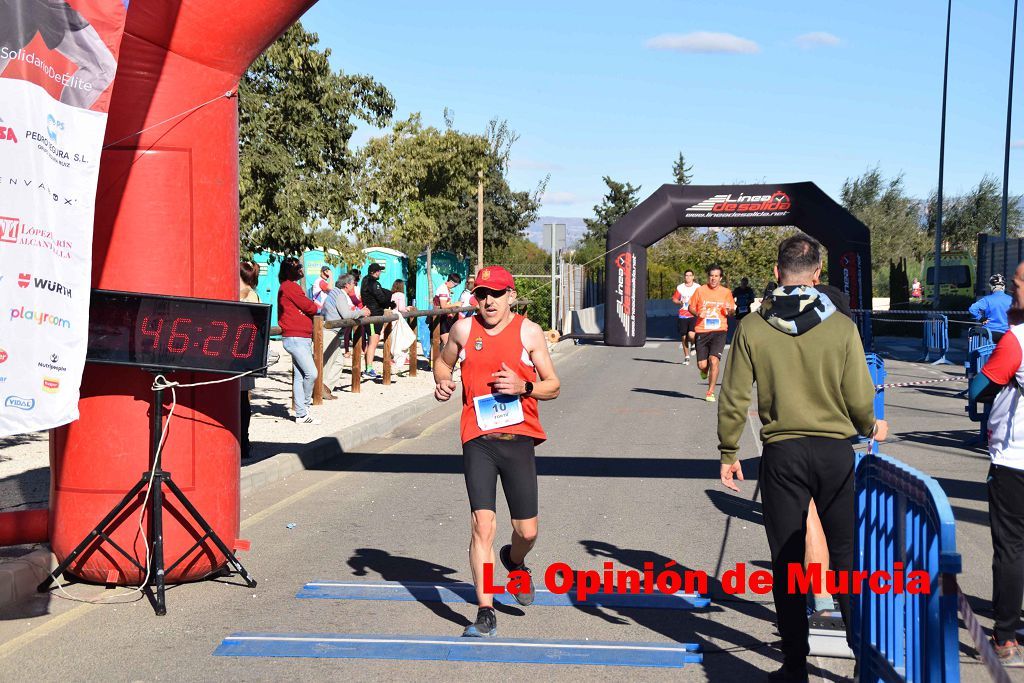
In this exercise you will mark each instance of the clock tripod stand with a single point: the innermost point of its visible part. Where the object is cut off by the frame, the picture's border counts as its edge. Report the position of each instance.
(154, 479)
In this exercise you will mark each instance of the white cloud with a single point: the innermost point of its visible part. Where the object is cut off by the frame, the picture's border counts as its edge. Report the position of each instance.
(559, 198)
(704, 42)
(815, 39)
(1017, 144)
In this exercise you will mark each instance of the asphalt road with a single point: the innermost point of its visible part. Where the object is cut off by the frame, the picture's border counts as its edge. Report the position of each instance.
(629, 474)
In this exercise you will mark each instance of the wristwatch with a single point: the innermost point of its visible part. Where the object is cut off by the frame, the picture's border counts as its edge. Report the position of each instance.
(529, 388)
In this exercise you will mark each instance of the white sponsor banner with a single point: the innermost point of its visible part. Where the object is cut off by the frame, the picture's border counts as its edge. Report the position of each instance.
(55, 74)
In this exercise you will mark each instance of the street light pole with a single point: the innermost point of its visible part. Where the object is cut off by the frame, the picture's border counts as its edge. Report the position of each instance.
(1006, 151)
(937, 270)
(480, 221)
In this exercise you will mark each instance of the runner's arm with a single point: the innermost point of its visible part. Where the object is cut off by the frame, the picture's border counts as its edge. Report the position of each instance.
(734, 398)
(677, 297)
(549, 385)
(695, 303)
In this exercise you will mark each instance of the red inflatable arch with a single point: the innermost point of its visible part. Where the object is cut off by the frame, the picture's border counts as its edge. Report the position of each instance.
(166, 223)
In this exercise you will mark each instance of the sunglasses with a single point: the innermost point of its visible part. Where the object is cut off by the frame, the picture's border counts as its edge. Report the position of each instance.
(482, 293)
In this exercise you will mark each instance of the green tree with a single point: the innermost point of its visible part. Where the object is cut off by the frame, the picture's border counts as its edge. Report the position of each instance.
(682, 171)
(620, 200)
(296, 117)
(891, 216)
(418, 187)
(978, 211)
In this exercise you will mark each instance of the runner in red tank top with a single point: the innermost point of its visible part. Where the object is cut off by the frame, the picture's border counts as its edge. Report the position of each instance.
(506, 369)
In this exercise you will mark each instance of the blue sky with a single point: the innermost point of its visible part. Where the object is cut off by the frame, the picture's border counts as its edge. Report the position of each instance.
(748, 90)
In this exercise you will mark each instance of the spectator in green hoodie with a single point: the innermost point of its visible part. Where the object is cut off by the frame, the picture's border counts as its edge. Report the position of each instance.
(814, 393)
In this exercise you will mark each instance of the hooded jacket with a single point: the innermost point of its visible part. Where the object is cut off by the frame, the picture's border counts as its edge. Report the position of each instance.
(808, 363)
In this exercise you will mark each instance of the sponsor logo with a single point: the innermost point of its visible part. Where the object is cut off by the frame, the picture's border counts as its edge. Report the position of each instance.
(9, 229)
(26, 279)
(53, 365)
(776, 204)
(53, 127)
(625, 291)
(51, 385)
(7, 134)
(40, 318)
(39, 186)
(48, 143)
(478, 344)
(13, 231)
(68, 80)
(3, 356)
(20, 403)
(849, 263)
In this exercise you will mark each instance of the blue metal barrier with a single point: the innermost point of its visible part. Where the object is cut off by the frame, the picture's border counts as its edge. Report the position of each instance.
(977, 336)
(876, 366)
(936, 338)
(904, 516)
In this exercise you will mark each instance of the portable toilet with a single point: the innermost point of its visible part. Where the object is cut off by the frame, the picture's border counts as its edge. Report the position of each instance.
(312, 262)
(395, 263)
(442, 264)
(269, 265)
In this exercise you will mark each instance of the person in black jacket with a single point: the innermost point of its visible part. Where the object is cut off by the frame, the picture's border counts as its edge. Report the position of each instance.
(377, 299)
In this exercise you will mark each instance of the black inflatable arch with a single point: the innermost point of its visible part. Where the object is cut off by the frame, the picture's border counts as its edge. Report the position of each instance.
(802, 205)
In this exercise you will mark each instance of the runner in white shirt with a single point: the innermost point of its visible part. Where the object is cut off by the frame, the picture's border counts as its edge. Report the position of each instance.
(687, 322)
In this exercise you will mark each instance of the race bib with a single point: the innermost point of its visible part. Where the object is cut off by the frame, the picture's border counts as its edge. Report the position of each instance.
(494, 411)
(712, 323)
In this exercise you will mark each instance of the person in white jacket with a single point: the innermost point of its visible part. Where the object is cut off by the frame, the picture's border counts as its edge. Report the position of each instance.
(338, 306)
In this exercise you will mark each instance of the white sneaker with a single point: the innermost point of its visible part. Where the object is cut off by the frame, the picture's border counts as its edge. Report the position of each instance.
(686, 361)
(307, 420)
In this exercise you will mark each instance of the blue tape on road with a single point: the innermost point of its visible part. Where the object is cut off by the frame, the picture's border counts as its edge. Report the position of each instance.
(458, 592)
(454, 649)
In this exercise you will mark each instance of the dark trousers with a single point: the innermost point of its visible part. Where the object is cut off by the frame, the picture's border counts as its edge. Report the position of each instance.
(243, 436)
(793, 472)
(1006, 522)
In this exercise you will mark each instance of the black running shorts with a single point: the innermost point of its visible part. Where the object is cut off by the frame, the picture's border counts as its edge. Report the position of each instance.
(710, 344)
(485, 459)
(686, 325)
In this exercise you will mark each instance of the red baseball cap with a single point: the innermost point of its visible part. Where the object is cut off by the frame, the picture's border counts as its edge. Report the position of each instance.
(494, 277)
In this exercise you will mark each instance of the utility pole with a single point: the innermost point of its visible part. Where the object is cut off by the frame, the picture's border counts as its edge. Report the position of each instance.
(557, 239)
(1006, 151)
(937, 279)
(480, 221)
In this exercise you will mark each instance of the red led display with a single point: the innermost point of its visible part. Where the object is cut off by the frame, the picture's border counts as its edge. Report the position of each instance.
(177, 333)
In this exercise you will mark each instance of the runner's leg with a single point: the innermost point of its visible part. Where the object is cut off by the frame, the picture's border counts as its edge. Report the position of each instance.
(816, 552)
(481, 472)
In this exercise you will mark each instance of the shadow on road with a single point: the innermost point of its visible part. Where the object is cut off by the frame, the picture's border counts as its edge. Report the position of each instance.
(685, 626)
(410, 569)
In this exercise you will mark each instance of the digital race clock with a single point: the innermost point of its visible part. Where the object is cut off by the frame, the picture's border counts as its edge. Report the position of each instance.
(177, 333)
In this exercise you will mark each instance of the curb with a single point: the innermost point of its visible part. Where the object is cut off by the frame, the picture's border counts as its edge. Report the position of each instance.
(279, 466)
(19, 576)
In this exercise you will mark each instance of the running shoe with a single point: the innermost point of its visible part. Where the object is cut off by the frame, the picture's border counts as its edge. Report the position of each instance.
(704, 374)
(524, 598)
(710, 398)
(686, 360)
(485, 626)
(1010, 653)
(307, 419)
(370, 374)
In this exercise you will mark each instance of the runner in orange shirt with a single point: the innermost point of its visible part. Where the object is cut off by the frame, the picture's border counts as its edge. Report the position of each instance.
(711, 304)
